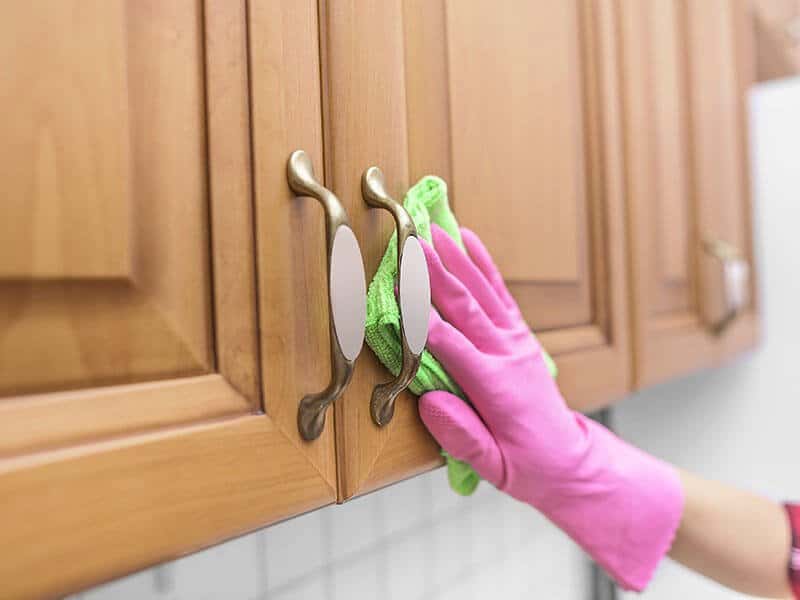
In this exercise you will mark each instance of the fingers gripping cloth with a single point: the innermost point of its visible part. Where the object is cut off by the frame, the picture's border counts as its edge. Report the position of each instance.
(427, 204)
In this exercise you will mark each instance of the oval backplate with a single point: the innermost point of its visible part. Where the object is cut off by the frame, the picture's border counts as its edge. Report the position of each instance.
(415, 295)
(348, 292)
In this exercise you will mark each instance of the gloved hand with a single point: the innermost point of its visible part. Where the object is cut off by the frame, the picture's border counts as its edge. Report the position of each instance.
(620, 504)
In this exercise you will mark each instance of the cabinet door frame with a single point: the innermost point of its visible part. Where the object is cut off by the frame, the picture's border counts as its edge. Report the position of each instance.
(594, 359)
(671, 344)
(169, 467)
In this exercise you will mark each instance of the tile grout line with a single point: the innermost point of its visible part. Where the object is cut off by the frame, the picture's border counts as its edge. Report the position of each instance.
(327, 548)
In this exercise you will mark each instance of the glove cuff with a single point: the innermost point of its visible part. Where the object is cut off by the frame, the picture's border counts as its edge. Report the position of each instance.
(622, 506)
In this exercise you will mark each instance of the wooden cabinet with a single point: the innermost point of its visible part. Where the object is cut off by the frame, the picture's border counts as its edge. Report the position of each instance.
(687, 179)
(131, 421)
(163, 294)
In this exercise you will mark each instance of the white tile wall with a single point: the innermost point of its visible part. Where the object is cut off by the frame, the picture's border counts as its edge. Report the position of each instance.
(412, 541)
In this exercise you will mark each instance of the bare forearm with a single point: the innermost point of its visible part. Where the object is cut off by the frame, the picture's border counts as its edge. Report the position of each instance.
(739, 539)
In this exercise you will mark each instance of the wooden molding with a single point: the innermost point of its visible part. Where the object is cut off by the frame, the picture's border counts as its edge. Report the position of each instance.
(84, 515)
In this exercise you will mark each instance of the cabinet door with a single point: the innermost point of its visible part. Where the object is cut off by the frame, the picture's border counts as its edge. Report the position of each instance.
(514, 105)
(130, 397)
(685, 82)
(366, 123)
(535, 146)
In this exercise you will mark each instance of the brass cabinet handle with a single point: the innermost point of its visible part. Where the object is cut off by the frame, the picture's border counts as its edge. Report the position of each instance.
(414, 295)
(347, 295)
(735, 275)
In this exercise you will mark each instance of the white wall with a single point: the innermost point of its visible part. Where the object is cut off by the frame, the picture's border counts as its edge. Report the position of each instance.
(740, 423)
(414, 540)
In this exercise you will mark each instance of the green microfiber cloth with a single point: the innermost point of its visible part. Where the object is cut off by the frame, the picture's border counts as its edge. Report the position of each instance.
(426, 202)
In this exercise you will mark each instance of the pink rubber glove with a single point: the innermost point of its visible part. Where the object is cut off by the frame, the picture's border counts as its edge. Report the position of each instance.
(620, 504)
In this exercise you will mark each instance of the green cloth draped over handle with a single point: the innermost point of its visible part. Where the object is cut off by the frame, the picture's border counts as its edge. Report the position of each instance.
(426, 203)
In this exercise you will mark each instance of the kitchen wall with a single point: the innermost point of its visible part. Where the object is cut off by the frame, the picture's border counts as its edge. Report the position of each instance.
(740, 423)
(414, 540)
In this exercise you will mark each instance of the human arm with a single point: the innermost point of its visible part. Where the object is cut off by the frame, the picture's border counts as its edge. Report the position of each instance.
(736, 538)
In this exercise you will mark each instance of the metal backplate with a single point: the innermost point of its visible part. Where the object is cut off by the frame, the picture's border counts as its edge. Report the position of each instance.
(348, 292)
(415, 295)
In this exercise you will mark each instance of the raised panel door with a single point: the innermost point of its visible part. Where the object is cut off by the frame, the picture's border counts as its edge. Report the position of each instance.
(137, 400)
(684, 90)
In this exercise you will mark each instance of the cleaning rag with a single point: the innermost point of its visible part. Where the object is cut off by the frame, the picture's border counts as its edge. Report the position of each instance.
(426, 203)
